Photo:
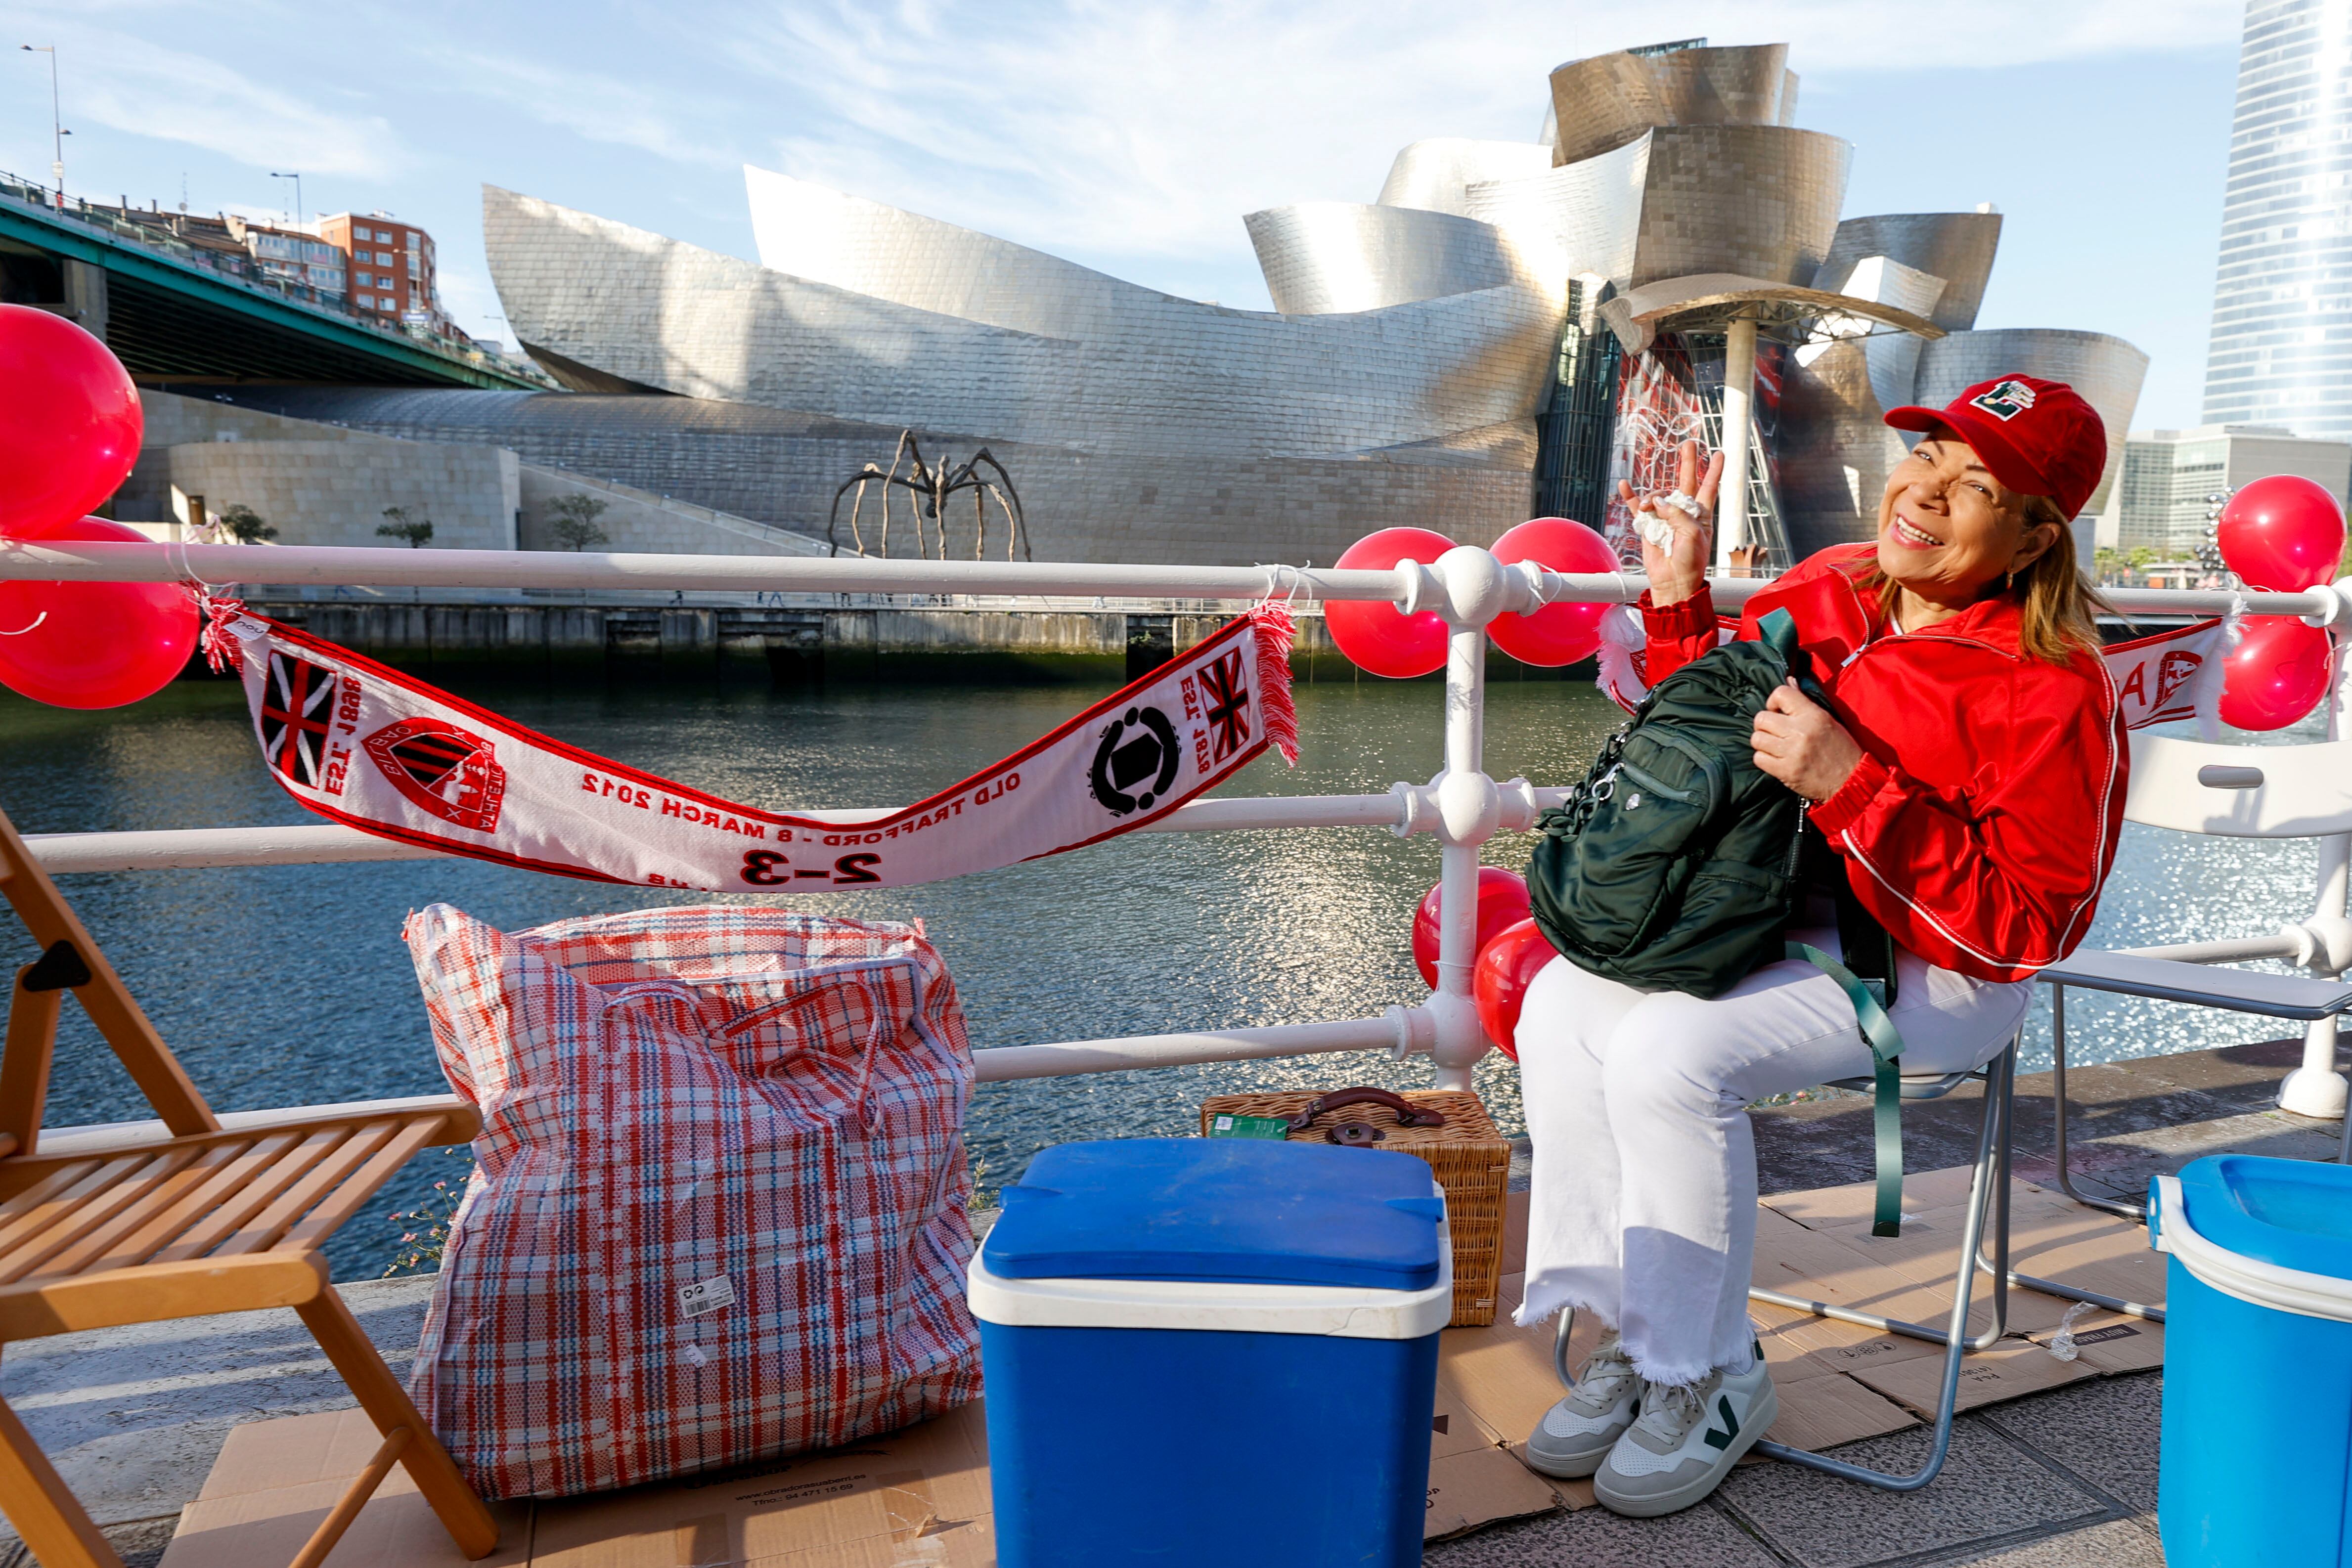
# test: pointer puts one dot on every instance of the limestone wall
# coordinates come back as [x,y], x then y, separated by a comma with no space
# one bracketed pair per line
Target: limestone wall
[335,490]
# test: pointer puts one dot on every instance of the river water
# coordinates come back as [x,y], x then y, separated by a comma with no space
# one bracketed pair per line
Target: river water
[290,985]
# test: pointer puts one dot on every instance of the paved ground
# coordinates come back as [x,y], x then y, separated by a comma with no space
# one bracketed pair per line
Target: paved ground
[133,1417]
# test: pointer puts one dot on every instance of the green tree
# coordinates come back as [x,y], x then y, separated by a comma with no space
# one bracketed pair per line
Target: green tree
[415,531]
[572,519]
[243,524]
[2142,558]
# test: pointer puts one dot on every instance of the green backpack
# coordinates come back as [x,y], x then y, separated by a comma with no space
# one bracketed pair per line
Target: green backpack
[1675,864]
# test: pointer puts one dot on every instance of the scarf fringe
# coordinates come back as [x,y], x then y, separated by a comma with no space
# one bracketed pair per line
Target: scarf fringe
[1275,631]
[222,650]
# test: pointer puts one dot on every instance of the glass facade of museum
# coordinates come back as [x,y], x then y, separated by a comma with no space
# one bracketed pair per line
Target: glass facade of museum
[2282,344]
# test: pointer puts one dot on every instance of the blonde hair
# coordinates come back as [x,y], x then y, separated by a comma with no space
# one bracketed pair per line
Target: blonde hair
[2057,607]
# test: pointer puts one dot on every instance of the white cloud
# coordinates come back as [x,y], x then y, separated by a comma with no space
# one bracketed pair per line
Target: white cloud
[117,78]
[1113,128]
[593,106]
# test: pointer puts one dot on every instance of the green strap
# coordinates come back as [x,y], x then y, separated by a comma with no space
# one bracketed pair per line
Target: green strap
[1886,1108]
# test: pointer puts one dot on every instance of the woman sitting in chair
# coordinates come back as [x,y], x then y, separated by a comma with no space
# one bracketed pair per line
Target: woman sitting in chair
[1966,778]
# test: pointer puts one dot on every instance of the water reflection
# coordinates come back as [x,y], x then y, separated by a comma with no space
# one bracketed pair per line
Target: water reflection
[290,985]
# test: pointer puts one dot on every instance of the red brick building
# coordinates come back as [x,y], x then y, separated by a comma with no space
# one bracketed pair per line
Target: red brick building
[390,269]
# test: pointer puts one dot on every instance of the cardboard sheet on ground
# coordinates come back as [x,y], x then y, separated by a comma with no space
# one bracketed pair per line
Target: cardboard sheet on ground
[921,1498]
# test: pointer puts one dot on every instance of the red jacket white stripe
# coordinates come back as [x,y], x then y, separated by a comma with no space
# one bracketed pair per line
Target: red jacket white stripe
[1982,820]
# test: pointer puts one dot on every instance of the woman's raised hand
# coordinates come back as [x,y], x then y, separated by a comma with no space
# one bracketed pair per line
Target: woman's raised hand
[1676,570]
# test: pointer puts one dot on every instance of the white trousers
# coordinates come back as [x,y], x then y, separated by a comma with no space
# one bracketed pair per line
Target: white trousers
[1644,1206]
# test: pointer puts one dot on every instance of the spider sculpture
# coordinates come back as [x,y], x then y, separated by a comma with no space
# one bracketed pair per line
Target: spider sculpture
[928,487]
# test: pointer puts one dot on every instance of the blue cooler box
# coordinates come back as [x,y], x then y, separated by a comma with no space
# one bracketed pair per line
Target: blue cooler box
[1210,1351]
[2257,1361]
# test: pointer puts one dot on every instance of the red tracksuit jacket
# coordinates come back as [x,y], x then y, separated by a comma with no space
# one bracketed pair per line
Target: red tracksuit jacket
[1982,819]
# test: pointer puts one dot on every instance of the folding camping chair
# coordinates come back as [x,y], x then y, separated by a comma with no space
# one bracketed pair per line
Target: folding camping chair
[194,1221]
[1987,1204]
[2244,792]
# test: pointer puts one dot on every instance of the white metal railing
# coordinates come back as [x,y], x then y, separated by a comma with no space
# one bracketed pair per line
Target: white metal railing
[1462,807]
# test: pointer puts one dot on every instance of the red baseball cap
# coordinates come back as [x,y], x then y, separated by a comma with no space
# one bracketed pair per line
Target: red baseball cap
[2038,438]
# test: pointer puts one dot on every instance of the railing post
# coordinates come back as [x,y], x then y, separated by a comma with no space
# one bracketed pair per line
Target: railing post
[1468,805]
[2315,1088]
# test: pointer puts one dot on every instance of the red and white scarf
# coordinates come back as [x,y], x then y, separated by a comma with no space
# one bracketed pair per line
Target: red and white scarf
[381,751]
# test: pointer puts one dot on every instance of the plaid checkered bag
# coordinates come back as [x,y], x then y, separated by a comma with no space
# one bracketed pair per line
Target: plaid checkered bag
[718,1208]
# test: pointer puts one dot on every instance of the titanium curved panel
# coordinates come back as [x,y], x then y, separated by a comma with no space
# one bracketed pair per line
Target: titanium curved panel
[1606,101]
[1577,218]
[1835,448]
[1958,247]
[814,232]
[1437,174]
[1757,200]
[1321,257]
[2105,370]
[1162,375]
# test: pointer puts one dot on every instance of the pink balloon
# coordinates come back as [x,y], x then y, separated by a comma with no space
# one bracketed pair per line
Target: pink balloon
[70,420]
[1558,634]
[2282,533]
[1374,634]
[1502,902]
[93,645]
[2276,674]
[1507,966]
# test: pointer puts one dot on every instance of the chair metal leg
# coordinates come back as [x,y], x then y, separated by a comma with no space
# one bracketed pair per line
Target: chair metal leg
[1981,1198]
[2136,1213]
[2000,1077]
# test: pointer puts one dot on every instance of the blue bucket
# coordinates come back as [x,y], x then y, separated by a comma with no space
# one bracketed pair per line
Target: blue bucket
[2257,1457]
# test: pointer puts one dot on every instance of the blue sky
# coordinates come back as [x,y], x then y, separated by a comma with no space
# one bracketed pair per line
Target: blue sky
[1128,134]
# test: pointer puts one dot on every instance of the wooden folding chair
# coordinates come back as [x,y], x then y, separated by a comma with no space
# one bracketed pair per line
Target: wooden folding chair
[197,1221]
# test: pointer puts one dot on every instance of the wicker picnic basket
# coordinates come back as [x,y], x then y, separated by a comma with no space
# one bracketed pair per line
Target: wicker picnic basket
[1469,1157]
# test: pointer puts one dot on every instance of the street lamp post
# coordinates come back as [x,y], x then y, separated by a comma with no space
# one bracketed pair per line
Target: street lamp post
[57,132]
[297,178]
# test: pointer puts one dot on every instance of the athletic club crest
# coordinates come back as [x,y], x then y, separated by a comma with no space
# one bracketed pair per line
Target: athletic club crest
[2004,400]
[298,705]
[451,772]
[1135,762]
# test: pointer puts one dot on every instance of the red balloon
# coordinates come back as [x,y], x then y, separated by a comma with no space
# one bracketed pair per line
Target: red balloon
[93,645]
[1502,901]
[2276,674]
[1373,633]
[2282,533]
[70,420]
[1507,966]
[1558,634]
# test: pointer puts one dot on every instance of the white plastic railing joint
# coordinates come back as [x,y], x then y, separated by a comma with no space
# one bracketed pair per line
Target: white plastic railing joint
[2335,604]
[1415,1030]
[1418,808]
[1468,808]
[1477,586]
[1516,806]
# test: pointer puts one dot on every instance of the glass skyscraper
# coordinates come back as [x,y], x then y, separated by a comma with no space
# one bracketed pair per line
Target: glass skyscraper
[2282,345]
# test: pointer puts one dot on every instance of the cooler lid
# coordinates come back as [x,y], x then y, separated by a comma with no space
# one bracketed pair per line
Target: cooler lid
[1229,1210]
[2294,1214]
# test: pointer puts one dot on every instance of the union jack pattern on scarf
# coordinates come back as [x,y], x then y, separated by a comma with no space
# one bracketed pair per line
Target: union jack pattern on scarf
[297,704]
[719,1208]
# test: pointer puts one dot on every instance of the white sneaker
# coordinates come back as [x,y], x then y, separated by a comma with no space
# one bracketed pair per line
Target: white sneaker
[1686,1441]
[1577,1434]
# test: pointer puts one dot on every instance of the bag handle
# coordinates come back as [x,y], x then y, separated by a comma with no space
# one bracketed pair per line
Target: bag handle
[1407,1114]
[1778,631]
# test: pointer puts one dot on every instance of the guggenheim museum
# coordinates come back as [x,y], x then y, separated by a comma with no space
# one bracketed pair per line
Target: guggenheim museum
[1505,333]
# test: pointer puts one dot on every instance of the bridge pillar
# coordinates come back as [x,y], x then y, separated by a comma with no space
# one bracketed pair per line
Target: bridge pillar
[86,296]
